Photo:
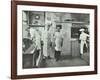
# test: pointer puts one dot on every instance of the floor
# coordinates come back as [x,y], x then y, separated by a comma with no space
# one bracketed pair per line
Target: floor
[65,61]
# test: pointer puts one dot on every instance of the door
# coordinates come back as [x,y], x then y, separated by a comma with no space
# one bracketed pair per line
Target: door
[66,30]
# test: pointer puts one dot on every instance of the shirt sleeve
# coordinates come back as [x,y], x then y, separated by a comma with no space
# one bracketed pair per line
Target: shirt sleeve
[87,35]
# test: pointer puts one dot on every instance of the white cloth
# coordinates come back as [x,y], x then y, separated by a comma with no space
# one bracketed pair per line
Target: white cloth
[46,41]
[58,41]
[38,40]
[83,38]
[35,35]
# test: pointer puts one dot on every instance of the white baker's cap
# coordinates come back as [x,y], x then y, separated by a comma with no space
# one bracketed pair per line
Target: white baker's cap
[81,30]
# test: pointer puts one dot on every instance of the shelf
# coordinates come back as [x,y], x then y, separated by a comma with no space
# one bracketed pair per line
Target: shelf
[31,25]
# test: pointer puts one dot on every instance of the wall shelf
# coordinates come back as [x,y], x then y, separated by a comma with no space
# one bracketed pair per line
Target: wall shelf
[32,25]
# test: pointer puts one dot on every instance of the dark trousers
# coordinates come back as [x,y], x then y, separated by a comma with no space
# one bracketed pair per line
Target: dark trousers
[36,55]
[57,55]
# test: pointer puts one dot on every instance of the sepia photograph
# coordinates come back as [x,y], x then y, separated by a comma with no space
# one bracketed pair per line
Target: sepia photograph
[55,39]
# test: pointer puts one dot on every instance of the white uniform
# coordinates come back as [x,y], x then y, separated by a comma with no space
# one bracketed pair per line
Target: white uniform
[58,41]
[83,38]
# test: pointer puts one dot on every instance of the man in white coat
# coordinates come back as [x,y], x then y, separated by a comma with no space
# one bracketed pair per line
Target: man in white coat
[83,37]
[58,44]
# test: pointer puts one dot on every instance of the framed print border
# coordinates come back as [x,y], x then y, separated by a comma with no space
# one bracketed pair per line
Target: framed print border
[14,51]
